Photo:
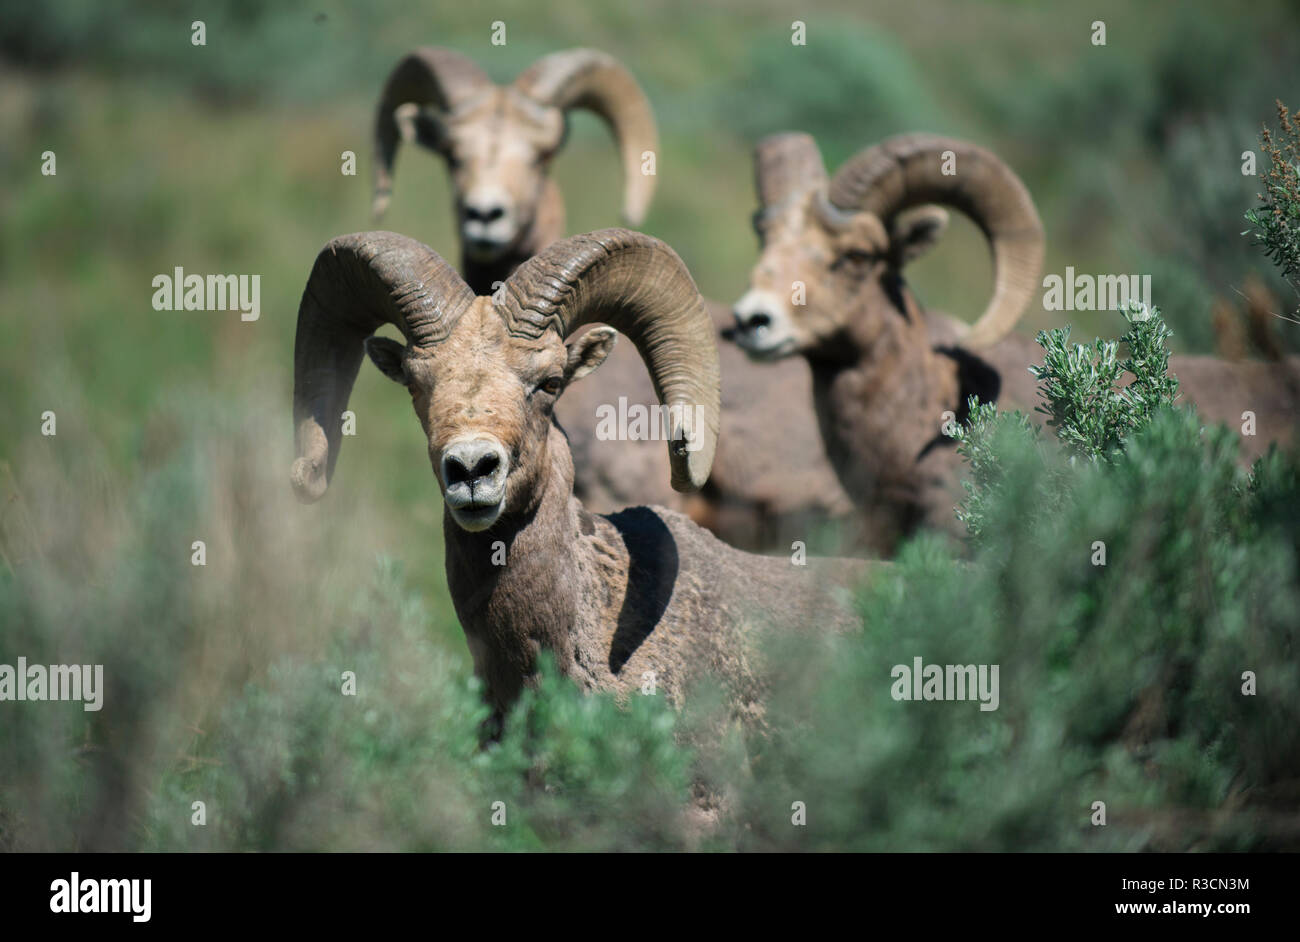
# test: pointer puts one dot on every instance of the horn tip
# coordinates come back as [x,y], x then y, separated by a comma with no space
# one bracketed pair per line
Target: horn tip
[690,468]
[977,339]
[309,480]
[683,484]
[690,478]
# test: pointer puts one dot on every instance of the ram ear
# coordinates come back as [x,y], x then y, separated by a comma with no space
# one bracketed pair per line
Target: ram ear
[419,126]
[387,354]
[917,232]
[588,352]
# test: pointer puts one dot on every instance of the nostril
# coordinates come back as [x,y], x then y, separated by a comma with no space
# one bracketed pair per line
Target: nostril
[473,465]
[758,320]
[490,214]
[485,465]
[455,471]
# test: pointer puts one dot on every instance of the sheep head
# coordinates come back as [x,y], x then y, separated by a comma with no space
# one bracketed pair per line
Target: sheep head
[484,373]
[845,241]
[498,141]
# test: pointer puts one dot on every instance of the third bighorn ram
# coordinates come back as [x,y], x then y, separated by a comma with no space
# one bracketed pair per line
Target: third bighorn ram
[887,375]
[614,598]
[498,142]
[884,372]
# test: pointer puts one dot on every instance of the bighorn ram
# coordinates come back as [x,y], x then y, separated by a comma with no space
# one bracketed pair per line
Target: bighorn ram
[498,142]
[887,376]
[614,597]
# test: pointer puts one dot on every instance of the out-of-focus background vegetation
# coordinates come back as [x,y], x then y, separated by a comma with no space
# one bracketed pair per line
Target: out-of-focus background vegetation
[175,427]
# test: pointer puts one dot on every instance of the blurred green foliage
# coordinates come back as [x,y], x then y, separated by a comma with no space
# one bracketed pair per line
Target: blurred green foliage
[858,85]
[1147,139]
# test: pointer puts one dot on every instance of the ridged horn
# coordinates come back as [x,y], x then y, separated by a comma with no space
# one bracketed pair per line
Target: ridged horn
[588,78]
[430,75]
[358,283]
[907,170]
[637,285]
[785,164]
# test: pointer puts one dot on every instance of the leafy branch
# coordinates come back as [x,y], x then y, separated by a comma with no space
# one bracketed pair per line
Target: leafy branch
[1275,222]
[1092,413]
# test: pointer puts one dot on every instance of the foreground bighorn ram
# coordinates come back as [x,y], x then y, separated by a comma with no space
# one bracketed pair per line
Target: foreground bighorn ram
[886,375]
[498,142]
[614,597]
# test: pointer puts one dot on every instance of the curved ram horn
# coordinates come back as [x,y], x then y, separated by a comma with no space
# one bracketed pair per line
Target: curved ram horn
[587,78]
[785,164]
[428,76]
[906,171]
[830,215]
[637,285]
[358,283]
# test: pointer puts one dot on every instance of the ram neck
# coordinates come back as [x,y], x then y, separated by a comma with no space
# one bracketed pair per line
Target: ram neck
[547,226]
[881,410]
[517,587]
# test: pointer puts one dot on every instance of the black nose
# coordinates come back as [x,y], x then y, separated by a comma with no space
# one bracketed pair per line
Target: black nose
[468,467]
[753,320]
[484,213]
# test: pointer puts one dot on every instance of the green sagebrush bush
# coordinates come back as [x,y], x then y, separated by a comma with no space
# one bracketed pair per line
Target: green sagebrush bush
[1091,411]
[400,765]
[1275,222]
[1125,581]
[1120,683]
[286,761]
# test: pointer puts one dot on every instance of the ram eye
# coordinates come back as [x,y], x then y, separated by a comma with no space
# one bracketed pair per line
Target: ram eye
[853,257]
[551,386]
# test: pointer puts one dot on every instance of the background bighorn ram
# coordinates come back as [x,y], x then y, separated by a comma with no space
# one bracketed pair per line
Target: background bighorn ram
[612,596]
[498,142]
[884,372]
